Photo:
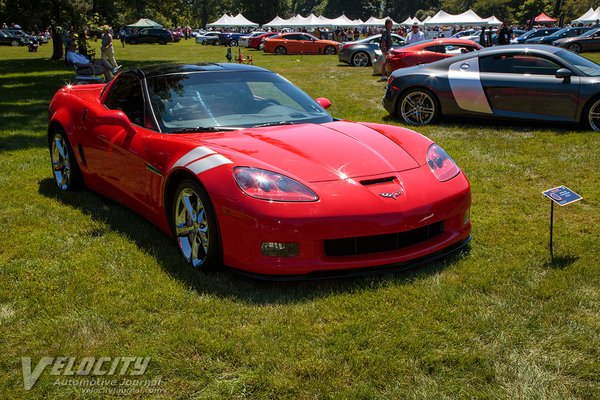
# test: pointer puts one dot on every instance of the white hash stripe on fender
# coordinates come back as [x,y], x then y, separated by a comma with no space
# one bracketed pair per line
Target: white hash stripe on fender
[193,155]
[207,163]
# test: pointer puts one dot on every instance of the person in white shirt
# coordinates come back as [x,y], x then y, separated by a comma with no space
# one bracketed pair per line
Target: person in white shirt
[415,35]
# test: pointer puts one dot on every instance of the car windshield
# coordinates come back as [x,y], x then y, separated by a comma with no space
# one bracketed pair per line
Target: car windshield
[591,32]
[558,33]
[229,100]
[586,66]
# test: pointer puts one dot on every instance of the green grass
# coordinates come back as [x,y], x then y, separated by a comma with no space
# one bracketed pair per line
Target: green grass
[82,276]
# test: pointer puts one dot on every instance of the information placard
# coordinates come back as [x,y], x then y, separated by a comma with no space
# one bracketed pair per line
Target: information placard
[562,195]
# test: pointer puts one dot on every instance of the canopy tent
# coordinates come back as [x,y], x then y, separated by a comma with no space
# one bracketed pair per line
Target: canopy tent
[544,19]
[590,16]
[276,22]
[411,21]
[145,23]
[469,17]
[238,21]
[343,21]
[372,21]
[493,20]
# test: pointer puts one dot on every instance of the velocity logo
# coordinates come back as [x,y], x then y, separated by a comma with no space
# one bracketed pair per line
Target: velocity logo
[86,366]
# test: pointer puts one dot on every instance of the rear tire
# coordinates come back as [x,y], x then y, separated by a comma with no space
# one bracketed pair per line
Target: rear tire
[15,43]
[233,43]
[65,169]
[360,59]
[575,48]
[418,107]
[280,50]
[330,51]
[194,226]
[162,41]
[591,116]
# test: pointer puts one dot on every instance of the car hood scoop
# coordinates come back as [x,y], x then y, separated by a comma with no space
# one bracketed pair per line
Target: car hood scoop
[318,152]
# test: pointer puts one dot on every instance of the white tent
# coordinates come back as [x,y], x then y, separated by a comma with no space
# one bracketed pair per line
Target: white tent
[467,18]
[411,21]
[372,21]
[229,21]
[493,20]
[276,22]
[589,17]
[426,20]
[342,20]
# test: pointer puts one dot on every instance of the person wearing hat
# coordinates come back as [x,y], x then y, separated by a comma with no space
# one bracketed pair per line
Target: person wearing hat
[415,35]
[108,52]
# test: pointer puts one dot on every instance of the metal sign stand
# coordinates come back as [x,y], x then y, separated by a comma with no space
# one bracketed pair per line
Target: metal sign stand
[561,195]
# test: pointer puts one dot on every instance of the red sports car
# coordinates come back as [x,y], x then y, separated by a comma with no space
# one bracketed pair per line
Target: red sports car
[242,168]
[428,51]
[254,42]
[299,43]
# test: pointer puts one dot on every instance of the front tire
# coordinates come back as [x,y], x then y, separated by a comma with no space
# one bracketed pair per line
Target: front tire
[418,107]
[233,43]
[281,51]
[15,43]
[162,41]
[330,51]
[195,227]
[361,59]
[67,175]
[575,48]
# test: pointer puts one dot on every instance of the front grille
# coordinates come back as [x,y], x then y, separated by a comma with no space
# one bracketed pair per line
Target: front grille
[379,243]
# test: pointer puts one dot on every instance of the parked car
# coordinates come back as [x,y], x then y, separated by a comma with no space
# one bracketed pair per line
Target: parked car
[258,41]
[560,34]
[208,38]
[466,32]
[15,37]
[10,40]
[235,163]
[589,41]
[360,53]
[299,43]
[150,35]
[176,35]
[245,40]
[230,38]
[519,82]
[427,51]
[538,32]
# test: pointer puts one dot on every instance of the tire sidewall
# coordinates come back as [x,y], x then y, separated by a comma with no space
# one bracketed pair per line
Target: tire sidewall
[436,104]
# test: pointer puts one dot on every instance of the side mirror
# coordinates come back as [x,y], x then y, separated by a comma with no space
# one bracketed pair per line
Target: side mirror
[323,102]
[565,74]
[116,118]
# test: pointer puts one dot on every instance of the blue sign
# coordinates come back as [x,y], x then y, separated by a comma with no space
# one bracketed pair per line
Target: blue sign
[562,195]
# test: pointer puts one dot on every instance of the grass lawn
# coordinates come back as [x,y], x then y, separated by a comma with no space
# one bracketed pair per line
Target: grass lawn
[82,276]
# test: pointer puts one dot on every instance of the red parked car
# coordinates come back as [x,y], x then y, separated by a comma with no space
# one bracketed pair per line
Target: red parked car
[428,51]
[235,163]
[254,42]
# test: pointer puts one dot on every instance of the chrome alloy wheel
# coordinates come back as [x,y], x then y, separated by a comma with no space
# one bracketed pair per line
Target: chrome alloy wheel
[594,116]
[417,108]
[360,59]
[61,162]
[191,227]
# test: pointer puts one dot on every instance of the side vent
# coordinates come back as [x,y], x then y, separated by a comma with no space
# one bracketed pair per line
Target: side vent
[81,154]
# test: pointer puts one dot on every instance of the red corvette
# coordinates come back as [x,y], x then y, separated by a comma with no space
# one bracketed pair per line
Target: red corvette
[242,168]
[254,42]
[428,52]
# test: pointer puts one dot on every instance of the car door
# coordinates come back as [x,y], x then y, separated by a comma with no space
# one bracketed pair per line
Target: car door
[292,43]
[590,43]
[310,45]
[524,85]
[117,155]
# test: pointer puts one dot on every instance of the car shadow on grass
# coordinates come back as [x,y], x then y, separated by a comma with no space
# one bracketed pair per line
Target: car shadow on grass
[225,282]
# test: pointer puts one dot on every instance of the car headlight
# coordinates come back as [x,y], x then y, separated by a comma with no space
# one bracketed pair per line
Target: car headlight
[271,186]
[442,166]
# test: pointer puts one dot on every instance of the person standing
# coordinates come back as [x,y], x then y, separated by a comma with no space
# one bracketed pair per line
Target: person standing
[386,45]
[483,37]
[108,52]
[122,36]
[415,35]
[503,34]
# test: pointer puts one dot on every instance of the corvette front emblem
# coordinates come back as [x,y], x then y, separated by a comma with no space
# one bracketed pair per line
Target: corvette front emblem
[392,195]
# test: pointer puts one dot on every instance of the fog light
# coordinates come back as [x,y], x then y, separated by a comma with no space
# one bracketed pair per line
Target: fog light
[278,249]
[467,216]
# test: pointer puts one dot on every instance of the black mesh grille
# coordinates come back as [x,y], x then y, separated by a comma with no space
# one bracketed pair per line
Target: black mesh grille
[379,243]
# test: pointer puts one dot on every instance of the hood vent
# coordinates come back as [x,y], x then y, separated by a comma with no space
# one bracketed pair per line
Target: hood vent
[369,182]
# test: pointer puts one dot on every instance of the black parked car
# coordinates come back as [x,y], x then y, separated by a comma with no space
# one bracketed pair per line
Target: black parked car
[150,35]
[589,41]
[14,37]
[561,34]
[533,34]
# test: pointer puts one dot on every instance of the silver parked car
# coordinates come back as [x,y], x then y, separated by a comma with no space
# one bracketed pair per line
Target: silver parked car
[360,53]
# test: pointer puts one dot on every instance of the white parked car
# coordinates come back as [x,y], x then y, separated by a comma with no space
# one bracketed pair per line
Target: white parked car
[245,40]
[208,38]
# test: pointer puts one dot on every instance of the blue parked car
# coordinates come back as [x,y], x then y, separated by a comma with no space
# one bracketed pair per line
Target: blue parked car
[533,34]
[230,38]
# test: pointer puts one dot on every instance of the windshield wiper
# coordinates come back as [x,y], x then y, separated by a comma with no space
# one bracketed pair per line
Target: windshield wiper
[274,124]
[204,129]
